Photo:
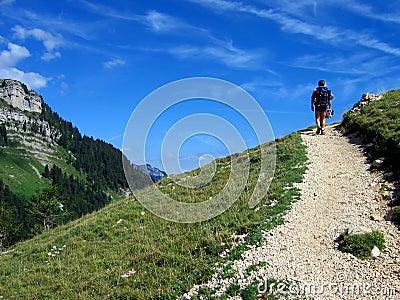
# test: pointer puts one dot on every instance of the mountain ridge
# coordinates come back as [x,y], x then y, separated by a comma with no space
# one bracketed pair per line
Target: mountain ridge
[38,148]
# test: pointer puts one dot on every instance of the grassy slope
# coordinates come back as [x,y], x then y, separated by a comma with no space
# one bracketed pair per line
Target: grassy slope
[168,258]
[19,164]
[17,172]
[379,124]
[19,167]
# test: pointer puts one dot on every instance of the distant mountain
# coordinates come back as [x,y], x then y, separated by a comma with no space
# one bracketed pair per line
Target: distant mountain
[154,173]
[44,156]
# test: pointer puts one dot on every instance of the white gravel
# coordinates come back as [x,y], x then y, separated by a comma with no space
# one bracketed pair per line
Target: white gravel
[338,192]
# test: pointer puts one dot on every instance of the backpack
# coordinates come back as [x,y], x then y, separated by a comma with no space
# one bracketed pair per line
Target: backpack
[322,96]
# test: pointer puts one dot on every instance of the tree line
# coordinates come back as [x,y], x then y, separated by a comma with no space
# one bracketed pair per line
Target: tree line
[68,197]
[65,199]
[99,160]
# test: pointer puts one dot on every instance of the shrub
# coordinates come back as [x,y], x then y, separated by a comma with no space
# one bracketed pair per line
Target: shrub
[250,292]
[360,245]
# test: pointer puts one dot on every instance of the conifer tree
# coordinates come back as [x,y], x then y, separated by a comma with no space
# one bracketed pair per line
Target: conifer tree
[46,205]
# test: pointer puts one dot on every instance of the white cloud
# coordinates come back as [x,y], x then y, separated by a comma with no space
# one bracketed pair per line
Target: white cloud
[47,56]
[115,62]
[13,55]
[50,42]
[10,58]
[32,80]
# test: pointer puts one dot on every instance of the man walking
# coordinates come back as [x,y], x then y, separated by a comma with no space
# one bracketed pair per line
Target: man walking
[321,99]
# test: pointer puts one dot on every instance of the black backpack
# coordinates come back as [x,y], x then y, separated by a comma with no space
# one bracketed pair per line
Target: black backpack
[322,96]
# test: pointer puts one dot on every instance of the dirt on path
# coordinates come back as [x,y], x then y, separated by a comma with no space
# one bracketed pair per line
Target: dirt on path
[338,192]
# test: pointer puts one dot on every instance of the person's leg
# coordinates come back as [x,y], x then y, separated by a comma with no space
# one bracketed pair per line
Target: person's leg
[318,120]
[323,121]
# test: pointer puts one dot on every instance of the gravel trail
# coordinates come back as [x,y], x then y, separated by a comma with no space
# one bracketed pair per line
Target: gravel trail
[338,192]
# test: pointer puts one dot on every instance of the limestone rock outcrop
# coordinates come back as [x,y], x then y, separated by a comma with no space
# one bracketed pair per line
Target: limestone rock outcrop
[17,94]
[366,98]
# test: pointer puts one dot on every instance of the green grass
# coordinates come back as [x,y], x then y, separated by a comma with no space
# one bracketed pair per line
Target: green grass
[379,125]
[19,166]
[168,258]
[361,245]
[16,170]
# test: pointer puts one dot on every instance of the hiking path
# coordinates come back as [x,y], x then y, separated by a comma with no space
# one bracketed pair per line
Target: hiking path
[338,192]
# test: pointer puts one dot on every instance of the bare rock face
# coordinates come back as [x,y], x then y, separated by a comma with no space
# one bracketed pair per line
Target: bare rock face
[366,99]
[17,94]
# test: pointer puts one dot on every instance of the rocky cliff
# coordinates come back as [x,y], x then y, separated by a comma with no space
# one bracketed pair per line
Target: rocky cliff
[17,95]
[20,113]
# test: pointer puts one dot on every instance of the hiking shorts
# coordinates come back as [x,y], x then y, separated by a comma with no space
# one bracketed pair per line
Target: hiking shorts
[320,108]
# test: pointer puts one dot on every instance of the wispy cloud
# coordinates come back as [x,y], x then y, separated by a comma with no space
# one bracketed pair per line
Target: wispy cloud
[50,42]
[367,11]
[115,137]
[328,34]
[6,2]
[211,48]
[229,56]
[153,20]
[159,22]
[115,62]
[302,9]
[355,64]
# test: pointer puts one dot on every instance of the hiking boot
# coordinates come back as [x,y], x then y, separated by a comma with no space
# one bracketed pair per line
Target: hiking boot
[318,130]
[322,131]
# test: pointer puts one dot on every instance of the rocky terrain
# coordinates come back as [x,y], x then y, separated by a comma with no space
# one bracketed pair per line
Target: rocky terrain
[18,95]
[20,113]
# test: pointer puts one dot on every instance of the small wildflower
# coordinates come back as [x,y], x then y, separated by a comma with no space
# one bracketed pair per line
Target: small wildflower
[128,274]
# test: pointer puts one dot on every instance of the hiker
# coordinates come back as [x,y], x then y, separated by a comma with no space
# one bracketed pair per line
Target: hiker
[321,99]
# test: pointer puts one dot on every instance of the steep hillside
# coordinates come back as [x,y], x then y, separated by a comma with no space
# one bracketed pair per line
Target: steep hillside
[124,251]
[39,149]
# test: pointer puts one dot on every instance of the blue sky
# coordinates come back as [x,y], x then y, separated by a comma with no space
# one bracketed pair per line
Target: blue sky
[94,61]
